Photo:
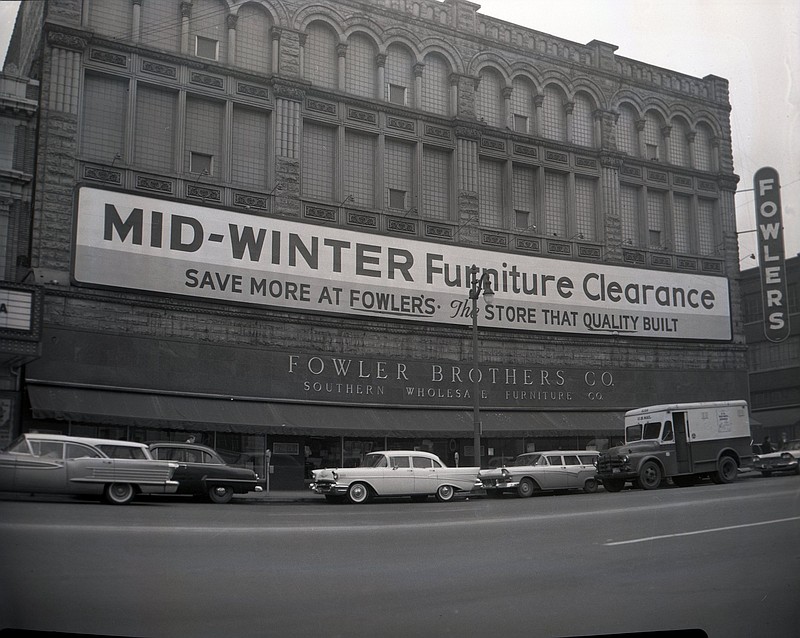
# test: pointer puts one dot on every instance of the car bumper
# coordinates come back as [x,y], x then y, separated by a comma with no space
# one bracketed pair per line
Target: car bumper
[787,466]
[335,489]
[499,485]
[617,475]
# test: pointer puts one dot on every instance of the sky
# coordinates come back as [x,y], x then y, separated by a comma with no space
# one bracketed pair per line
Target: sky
[754,44]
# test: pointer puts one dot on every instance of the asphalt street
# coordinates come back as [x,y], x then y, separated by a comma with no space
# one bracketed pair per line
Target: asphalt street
[721,558]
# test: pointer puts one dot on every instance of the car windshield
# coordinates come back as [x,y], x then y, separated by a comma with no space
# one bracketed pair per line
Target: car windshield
[646,432]
[526,459]
[374,460]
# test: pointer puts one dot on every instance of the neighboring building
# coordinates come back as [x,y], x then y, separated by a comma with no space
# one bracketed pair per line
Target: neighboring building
[254,223]
[20,304]
[774,366]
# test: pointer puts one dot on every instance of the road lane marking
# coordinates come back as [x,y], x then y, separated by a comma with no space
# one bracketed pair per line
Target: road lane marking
[701,531]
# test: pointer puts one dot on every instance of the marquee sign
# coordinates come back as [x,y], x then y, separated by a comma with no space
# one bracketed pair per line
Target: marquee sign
[769,227]
[129,241]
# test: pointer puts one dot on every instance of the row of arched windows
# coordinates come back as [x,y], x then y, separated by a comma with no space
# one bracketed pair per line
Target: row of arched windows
[399,73]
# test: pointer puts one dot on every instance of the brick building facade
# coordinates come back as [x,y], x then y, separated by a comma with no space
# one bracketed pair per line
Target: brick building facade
[254,222]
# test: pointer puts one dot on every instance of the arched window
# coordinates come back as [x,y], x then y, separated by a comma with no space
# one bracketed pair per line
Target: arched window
[360,69]
[583,121]
[161,25]
[208,33]
[522,105]
[399,75]
[626,132]
[321,61]
[253,40]
[489,98]
[703,151]
[112,18]
[554,119]
[436,85]
[653,140]
[679,142]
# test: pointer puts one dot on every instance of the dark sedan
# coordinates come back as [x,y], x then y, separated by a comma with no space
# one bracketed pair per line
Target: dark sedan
[202,472]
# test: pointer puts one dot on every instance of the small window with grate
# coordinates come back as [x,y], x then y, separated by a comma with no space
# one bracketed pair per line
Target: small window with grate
[207,48]
[397,199]
[397,94]
[200,163]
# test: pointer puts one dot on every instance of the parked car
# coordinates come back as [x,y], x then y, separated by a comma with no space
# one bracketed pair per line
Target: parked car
[394,473]
[786,459]
[57,464]
[543,472]
[202,472]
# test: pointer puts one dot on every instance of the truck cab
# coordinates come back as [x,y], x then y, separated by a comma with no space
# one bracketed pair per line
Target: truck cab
[684,442]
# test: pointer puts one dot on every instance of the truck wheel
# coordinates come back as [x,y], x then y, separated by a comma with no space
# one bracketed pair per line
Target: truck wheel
[726,471]
[613,485]
[650,475]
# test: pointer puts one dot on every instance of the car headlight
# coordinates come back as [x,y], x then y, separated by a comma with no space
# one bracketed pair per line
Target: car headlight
[624,458]
[787,457]
[505,473]
[335,475]
[756,458]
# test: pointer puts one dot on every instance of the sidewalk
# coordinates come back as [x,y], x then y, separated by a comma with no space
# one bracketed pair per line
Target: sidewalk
[281,496]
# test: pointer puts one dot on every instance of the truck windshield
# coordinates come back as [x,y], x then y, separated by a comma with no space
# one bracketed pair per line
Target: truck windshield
[642,432]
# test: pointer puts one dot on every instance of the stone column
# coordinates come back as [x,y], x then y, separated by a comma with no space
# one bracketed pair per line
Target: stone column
[275,35]
[288,107]
[569,110]
[136,31]
[467,139]
[419,68]
[341,55]
[186,14]
[690,139]
[380,62]
[453,106]
[231,21]
[507,114]
[611,228]
[666,131]
[640,145]
[538,103]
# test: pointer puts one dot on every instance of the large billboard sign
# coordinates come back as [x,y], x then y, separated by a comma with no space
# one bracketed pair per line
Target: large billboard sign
[129,241]
[772,254]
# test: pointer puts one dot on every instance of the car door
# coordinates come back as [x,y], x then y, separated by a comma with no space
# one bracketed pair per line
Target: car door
[572,469]
[399,476]
[547,471]
[83,462]
[426,478]
[44,470]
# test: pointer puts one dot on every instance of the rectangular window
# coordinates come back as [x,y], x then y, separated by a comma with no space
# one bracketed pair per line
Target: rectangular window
[318,161]
[652,152]
[155,128]
[629,215]
[555,204]
[681,223]
[397,94]
[655,219]
[399,174]
[359,168]
[397,199]
[105,105]
[520,123]
[249,160]
[203,135]
[490,193]
[705,227]
[436,182]
[523,194]
[522,220]
[207,48]
[200,164]
[586,208]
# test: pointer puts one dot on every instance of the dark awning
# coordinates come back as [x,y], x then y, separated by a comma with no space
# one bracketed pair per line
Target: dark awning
[781,417]
[172,411]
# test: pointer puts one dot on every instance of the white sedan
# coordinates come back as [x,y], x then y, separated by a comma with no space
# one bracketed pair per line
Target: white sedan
[395,473]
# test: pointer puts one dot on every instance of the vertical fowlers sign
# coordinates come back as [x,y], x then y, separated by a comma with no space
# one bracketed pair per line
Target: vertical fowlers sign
[769,225]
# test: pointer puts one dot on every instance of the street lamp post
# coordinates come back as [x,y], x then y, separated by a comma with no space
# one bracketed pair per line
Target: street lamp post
[479,285]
